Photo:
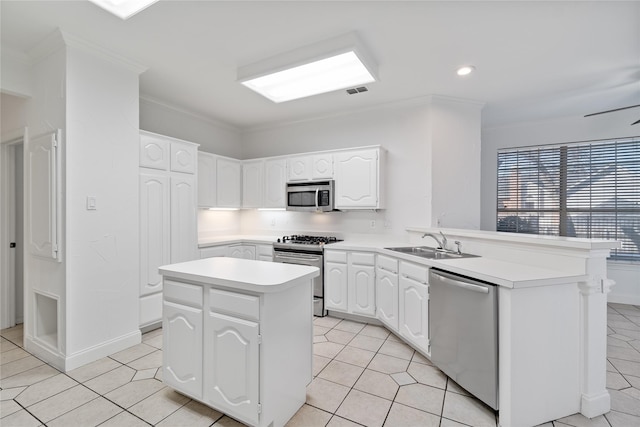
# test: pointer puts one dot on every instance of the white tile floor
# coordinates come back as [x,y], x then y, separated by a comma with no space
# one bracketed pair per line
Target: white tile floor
[363,375]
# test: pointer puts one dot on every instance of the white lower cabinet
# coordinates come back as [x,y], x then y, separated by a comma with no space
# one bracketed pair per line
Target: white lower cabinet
[248,355]
[214,251]
[183,359]
[413,304]
[361,283]
[242,251]
[349,282]
[387,291]
[335,280]
[232,366]
[264,252]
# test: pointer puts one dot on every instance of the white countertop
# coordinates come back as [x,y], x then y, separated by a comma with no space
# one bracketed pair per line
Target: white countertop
[241,274]
[502,273]
[235,238]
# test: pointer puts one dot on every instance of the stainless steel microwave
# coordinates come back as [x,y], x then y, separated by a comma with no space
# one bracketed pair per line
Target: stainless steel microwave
[310,196]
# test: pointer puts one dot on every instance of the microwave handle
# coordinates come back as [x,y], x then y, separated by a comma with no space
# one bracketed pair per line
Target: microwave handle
[317,194]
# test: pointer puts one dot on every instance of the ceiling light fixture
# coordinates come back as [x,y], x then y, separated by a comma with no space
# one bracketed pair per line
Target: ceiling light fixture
[465,70]
[123,9]
[328,66]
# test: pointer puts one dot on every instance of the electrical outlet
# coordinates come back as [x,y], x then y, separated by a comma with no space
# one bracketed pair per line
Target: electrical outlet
[373,223]
[387,223]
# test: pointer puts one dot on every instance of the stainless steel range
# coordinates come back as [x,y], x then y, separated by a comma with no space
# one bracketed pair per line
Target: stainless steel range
[306,250]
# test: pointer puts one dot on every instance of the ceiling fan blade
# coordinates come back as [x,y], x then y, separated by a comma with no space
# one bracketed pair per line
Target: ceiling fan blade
[611,111]
[635,123]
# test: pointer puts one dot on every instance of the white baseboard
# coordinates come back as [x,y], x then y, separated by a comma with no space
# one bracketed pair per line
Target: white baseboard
[101,350]
[85,356]
[592,406]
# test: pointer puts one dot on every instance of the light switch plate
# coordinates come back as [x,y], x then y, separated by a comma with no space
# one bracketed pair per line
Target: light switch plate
[91,203]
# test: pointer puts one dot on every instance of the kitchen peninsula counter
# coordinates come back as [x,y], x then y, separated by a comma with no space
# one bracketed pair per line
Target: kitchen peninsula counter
[238,336]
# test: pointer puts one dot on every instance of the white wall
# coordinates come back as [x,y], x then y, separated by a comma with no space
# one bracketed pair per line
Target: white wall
[411,137]
[102,162]
[568,129]
[213,136]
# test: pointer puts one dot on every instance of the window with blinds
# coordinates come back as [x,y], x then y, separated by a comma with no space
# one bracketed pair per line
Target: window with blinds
[578,190]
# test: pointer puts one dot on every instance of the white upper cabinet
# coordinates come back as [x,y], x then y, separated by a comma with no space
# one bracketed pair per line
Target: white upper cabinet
[359,179]
[311,167]
[299,168]
[252,183]
[168,154]
[183,157]
[275,180]
[154,151]
[206,180]
[228,176]
[322,166]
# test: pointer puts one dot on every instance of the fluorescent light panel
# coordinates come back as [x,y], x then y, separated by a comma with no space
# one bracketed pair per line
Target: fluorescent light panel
[334,64]
[123,9]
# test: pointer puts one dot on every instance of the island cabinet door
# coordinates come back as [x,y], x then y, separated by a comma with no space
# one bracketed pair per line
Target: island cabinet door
[182,327]
[414,311]
[232,366]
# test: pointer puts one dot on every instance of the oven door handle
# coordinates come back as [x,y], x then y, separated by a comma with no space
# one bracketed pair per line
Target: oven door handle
[297,257]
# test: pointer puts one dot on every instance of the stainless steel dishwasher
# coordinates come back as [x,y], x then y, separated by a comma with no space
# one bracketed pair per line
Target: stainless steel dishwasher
[463,325]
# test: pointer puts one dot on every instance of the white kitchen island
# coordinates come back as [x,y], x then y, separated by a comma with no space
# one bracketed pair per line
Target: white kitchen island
[238,336]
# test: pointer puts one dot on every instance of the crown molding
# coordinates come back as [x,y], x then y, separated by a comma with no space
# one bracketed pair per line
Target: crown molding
[419,101]
[60,39]
[216,122]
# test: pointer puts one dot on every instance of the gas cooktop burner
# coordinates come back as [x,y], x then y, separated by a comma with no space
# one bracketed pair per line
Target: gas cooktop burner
[308,240]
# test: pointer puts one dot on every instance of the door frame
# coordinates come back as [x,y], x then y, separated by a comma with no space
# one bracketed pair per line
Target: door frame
[8,225]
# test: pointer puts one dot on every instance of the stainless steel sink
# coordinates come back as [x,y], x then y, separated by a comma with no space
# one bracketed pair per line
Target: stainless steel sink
[430,253]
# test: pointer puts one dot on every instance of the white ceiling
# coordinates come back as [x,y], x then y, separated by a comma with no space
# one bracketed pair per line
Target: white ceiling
[535,60]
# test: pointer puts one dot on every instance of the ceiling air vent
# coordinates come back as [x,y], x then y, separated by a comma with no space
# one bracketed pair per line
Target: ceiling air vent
[355,90]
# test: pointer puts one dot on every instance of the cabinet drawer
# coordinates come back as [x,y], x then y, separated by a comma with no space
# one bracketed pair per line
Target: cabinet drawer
[266,250]
[183,293]
[415,271]
[214,251]
[387,263]
[335,256]
[246,306]
[363,258]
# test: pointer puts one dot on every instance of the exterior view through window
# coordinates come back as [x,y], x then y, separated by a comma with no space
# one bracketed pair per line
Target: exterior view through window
[589,190]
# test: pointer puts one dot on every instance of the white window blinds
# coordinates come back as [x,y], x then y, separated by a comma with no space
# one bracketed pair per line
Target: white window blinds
[579,190]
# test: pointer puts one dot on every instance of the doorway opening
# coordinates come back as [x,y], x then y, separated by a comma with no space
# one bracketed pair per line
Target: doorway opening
[12,232]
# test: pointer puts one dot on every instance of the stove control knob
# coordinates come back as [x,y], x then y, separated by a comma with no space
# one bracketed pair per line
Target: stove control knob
[278,240]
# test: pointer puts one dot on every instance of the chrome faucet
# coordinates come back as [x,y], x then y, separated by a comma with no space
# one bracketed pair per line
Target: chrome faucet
[441,244]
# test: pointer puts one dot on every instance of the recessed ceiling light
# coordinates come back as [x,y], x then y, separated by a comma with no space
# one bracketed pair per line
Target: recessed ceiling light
[466,70]
[123,9]
[328,66]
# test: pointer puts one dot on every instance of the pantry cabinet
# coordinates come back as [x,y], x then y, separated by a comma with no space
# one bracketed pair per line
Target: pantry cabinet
[168,218]
[359,178]
[413,299]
